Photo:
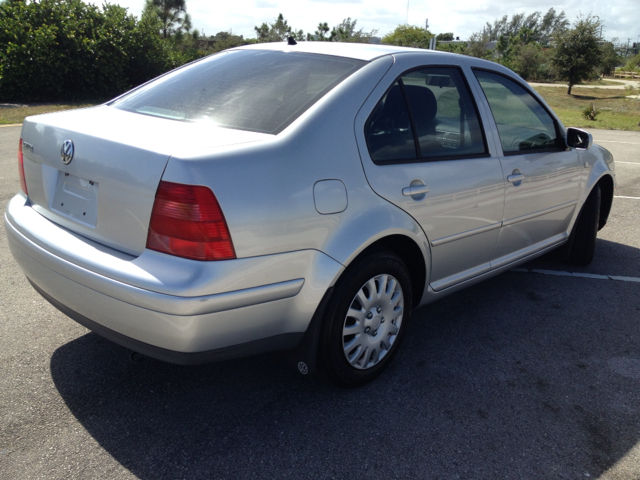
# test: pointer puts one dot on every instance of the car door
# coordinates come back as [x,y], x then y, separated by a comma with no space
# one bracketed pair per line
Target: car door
[542,176]
[423,148]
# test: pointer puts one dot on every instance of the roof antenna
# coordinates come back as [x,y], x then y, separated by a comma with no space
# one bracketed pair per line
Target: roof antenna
[291,41]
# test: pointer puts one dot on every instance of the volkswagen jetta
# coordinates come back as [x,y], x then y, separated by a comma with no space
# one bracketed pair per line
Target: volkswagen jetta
[298,197]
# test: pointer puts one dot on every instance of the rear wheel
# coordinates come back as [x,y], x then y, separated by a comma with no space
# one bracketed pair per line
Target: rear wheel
[366,319]
[581,245]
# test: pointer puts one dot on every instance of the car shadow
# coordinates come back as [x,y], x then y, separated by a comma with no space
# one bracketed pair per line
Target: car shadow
[517,377]
[590,97]
[610,258]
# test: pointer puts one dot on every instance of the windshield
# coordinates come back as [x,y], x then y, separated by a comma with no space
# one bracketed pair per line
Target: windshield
[257,90]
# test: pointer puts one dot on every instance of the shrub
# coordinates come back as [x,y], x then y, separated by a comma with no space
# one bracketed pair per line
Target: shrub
[408,36]
[590,112]
[68,50]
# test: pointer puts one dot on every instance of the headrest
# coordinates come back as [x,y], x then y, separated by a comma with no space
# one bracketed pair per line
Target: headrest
[423,102]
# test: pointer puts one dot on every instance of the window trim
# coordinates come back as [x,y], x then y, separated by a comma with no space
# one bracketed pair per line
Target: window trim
[559,140]
[440,158]
[412,122]
[420,159]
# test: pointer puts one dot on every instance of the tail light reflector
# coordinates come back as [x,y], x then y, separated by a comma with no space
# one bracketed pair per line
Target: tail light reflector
[23,182]
[187,221]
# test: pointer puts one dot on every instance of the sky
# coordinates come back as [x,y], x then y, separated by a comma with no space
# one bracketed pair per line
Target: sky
[621,17]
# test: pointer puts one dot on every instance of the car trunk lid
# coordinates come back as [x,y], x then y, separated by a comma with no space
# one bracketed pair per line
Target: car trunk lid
[106,189]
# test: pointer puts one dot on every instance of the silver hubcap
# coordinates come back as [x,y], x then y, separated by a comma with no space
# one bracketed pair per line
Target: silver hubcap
[373,321]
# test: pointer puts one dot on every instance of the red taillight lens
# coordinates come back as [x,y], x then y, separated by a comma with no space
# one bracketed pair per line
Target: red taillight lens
[187,221]
[23,182]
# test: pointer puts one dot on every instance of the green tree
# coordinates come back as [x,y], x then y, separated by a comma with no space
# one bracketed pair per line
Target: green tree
[173,16]
[509,28]
[478,46]
[508,48]
[541,28]
[186,47]
[577,53]
[459,48]
[521,53]
[321,33]
[632,63]
[552,24]
[346,31]
[445,37]
[408,36]
[527,61]
[277,31]
[224,40]
[610,58]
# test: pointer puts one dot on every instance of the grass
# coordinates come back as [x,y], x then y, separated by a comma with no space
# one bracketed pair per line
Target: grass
[616,111]
[603,83]
[16,114]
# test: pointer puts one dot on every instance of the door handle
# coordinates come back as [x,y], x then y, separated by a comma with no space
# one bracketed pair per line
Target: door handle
[415,190]
[515,178]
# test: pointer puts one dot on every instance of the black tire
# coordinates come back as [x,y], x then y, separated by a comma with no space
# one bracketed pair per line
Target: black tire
[581,245]
[376,339]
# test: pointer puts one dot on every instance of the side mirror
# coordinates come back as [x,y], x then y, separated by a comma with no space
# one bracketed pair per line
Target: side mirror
[580,139]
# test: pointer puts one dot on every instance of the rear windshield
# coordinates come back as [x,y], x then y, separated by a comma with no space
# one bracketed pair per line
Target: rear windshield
[261,91]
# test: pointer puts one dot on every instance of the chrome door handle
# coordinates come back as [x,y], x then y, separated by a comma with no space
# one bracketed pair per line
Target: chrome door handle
[516,177]
[415,190]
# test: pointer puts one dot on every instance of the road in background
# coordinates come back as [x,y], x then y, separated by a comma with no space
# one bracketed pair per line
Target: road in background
[621,84]
[526,375]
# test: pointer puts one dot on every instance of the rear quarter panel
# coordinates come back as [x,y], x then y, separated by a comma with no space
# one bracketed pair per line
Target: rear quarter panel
[266,190]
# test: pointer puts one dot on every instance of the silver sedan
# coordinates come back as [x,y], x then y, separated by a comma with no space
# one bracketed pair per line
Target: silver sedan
[298,197]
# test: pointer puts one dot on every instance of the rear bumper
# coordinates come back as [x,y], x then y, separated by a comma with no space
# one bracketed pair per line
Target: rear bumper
[173,309]
[285,341]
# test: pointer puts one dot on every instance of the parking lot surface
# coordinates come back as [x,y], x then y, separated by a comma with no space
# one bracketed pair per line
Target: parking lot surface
[532,374]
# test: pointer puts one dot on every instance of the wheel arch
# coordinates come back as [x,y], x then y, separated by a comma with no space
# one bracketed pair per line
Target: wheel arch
[307,353]
[409,252]
[606,199]
[602,173]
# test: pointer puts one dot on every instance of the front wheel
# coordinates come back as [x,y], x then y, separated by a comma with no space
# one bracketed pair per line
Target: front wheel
[366,319]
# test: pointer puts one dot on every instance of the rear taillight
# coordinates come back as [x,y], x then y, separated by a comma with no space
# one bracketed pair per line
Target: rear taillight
[23,182]
[187,221]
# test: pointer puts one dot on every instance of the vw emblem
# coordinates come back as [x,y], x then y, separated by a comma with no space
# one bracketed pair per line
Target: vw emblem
[66,152]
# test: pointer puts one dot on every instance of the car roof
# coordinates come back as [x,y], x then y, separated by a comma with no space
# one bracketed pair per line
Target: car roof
[360,51]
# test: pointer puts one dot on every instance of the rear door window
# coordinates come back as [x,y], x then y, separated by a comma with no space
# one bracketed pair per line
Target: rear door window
[427,114]
[389,129]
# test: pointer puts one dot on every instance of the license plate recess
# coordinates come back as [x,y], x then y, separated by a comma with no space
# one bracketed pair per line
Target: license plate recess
[77,198]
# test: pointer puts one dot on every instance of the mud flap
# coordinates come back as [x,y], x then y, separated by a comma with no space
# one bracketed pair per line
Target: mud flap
[304,357]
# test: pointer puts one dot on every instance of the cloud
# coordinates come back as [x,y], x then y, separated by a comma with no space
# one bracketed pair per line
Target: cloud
[336,1]
[265,4]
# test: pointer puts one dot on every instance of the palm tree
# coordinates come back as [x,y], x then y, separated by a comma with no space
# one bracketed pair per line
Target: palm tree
[173,15]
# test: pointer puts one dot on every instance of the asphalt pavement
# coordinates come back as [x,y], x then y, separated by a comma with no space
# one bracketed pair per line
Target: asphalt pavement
[534,374]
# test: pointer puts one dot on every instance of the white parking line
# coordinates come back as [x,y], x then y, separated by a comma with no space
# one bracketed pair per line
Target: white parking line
[620,196]
[577,274]
[630,163]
